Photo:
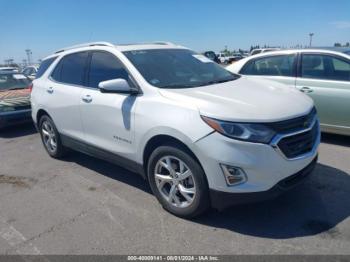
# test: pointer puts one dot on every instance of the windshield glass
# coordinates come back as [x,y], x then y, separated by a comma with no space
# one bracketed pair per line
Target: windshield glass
[13,81]
[177,68]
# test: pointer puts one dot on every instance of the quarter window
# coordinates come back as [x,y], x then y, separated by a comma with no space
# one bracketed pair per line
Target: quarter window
[325,67]
[105,66]
[279,65]
[44,66]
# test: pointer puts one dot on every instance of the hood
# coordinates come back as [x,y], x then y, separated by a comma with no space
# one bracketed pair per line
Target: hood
[246,100]
[15,98]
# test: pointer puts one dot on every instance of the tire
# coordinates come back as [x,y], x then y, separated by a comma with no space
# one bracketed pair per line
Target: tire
[181,202]
[49,131]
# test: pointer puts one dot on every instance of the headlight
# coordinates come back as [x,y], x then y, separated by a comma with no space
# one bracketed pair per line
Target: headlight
[258,133]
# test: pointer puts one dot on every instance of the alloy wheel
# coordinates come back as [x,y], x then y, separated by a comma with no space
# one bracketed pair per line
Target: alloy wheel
[175,181]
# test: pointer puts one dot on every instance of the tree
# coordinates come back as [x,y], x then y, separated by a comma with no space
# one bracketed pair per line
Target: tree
[337,44]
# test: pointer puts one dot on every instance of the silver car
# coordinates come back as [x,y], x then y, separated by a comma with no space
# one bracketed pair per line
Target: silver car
[322,74]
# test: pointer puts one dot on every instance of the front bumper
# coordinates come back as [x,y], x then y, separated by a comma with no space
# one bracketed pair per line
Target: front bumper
[15,117]
[221,200]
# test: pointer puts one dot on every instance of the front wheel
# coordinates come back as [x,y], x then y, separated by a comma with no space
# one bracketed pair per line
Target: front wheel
[178,182]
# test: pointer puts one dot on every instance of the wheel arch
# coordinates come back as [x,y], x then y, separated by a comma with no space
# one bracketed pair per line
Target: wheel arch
[39,114]
[165,139]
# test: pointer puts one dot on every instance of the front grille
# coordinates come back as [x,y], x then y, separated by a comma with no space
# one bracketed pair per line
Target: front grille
[295,124]
[299,144]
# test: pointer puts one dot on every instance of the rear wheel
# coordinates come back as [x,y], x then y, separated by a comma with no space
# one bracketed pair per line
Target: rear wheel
[178,181]
[50,137]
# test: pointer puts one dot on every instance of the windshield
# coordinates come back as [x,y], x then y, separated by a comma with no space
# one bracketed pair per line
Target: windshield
[13,81]
[177,68]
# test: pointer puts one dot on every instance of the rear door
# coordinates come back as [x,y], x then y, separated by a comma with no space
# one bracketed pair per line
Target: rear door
[108,118]
[326,79]
[280,68]
[63,92]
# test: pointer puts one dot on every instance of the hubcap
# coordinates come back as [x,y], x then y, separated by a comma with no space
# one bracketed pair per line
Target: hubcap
[175,181]
[49,136]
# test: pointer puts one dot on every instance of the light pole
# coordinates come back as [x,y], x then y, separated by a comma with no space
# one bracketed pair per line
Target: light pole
[311,35]
[29,53]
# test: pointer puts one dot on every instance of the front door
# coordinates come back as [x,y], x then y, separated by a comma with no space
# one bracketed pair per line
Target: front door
[108,118]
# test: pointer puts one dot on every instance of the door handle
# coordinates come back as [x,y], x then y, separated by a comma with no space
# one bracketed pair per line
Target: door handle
[306,89]
[50,90]
[87,98]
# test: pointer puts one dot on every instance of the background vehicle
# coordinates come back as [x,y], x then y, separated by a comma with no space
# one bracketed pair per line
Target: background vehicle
[30,71]
[9,69]
[262,50]
[228,59]
[322,74]
[212,56]
[185,123]
[235,57]
[14,99]
[223,58]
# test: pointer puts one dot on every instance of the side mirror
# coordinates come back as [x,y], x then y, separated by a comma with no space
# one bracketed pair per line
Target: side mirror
[116,86]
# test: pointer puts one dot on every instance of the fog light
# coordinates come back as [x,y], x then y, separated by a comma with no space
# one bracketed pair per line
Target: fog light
[233,175]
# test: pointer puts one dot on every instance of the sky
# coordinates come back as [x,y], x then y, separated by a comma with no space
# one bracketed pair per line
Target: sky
[48,25]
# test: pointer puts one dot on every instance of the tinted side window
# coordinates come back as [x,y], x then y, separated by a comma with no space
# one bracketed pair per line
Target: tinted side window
[44,66]
[280,65]
[71,69]
[105,66]
[325,67]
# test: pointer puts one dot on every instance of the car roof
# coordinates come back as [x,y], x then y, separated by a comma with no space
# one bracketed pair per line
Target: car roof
[119,47]
[304,50]
[160,45]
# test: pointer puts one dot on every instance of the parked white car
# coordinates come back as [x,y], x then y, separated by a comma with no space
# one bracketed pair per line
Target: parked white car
[224,59]
[200,135]
[322,74]
[9,69]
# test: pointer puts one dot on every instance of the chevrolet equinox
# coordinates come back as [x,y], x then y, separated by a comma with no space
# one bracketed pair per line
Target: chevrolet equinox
[200,135]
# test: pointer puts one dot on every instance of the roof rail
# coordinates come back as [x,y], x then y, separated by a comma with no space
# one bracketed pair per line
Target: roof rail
[163,43]
[148,43]
[85,45]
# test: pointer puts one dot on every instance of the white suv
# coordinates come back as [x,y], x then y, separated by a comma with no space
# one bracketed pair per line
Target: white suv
[200,135]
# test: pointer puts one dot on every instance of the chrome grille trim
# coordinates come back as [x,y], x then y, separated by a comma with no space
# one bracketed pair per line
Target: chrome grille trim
[279,137]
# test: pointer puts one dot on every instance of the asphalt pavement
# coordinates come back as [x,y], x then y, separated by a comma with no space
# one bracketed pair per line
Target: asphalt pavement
[82,205]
